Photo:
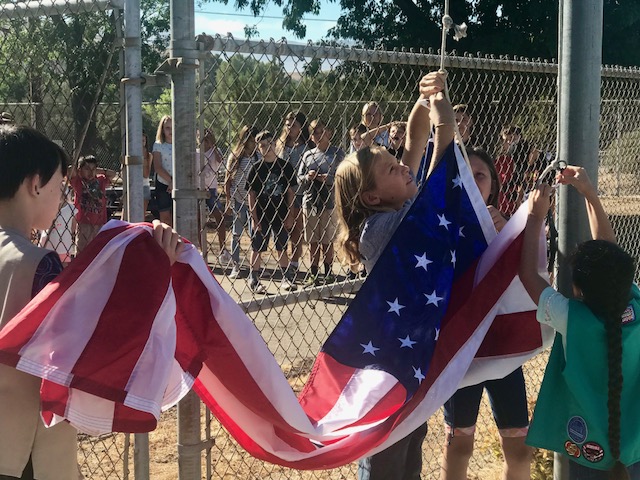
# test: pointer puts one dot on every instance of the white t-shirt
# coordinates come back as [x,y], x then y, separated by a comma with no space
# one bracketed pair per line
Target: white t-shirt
[211,167]
[167,158]
[60,237]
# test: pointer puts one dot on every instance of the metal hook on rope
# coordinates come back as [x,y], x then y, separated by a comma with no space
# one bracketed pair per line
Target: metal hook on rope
[554,165]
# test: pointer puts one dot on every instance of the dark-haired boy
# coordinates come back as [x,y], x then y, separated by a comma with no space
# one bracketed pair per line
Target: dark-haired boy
[89,185]
[271,196]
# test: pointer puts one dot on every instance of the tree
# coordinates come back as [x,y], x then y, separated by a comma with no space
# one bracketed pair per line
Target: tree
[502,27]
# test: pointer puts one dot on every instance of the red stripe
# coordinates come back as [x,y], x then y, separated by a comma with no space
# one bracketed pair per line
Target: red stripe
[111,354]
[325,385]
[511,334]
[462,325]
[53,400]
[23,326]
[126,419]
[210,342]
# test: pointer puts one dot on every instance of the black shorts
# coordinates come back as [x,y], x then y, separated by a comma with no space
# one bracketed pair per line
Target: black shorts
[163,197]
[260,240]
[508,397]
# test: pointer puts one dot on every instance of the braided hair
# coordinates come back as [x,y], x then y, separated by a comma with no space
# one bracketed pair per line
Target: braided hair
[604,273]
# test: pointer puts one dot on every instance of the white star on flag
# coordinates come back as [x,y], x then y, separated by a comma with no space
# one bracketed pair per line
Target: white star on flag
[443,221]
[369,348]
[407,342]
[432,299]
[460,232]
[453,258]
[395,306]
[418,374]
[423,261]
[457,182]
[437,334]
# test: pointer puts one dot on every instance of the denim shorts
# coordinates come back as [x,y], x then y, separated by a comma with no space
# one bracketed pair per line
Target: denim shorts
[213,202]
[163,197]
[508,398]
[260,239]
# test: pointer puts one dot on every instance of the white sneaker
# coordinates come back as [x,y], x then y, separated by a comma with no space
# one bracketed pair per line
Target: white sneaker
[286,284]
[256,286]
[235,271]
[225,257]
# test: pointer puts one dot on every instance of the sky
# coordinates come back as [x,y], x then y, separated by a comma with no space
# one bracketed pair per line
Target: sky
[214,17]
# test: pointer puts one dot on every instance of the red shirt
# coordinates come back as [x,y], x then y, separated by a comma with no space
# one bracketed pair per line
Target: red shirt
[91,199]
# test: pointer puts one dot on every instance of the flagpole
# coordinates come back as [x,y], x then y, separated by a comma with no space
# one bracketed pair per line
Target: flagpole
[580,60]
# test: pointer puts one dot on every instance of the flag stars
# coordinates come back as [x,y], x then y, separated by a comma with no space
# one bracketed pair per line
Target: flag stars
[369,348]
[457,182]
[461,233]
[437,334]
[453,258]
[443,221]
[422,261]
[417,373]
[432,299]
[406,342]
[395,306]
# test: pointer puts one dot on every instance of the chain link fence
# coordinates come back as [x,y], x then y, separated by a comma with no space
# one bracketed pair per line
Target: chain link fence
[62,75]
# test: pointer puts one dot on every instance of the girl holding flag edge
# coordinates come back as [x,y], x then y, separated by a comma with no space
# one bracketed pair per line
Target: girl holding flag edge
[580,409]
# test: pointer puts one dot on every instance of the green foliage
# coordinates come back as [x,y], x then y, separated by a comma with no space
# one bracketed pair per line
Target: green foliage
[526,28]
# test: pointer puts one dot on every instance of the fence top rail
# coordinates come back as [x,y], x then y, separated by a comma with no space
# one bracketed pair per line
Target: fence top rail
[39,8]
[280,48]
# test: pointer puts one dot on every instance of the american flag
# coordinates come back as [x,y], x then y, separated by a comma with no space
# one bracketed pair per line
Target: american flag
[120,336]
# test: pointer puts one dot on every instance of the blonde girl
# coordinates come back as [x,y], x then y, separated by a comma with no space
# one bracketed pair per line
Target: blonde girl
[373,193]
[163,165]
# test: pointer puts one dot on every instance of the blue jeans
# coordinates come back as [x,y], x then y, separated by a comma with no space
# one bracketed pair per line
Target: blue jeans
[240,222]
[401,461]
[580,472]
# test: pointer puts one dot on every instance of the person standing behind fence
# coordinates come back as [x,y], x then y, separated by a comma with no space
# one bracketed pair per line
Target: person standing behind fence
[60,236]
[587,408]
[397,134]
[316,173]
[271,182]
[241,159]
[372,119]
[512,165]
[293,142]
[209,171]
[147,161]
[508,395]
[374,192]
[89,185]
[465,124]
[163,166]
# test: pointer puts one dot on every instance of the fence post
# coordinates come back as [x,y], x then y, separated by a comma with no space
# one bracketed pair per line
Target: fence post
[580,59]
[184,61]
[132,190]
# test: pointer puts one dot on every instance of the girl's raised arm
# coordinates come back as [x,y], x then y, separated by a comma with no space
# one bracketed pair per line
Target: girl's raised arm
[539,202]
[418,125]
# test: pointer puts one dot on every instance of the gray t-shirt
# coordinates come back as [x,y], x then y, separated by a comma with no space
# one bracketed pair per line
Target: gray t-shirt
[377,231]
